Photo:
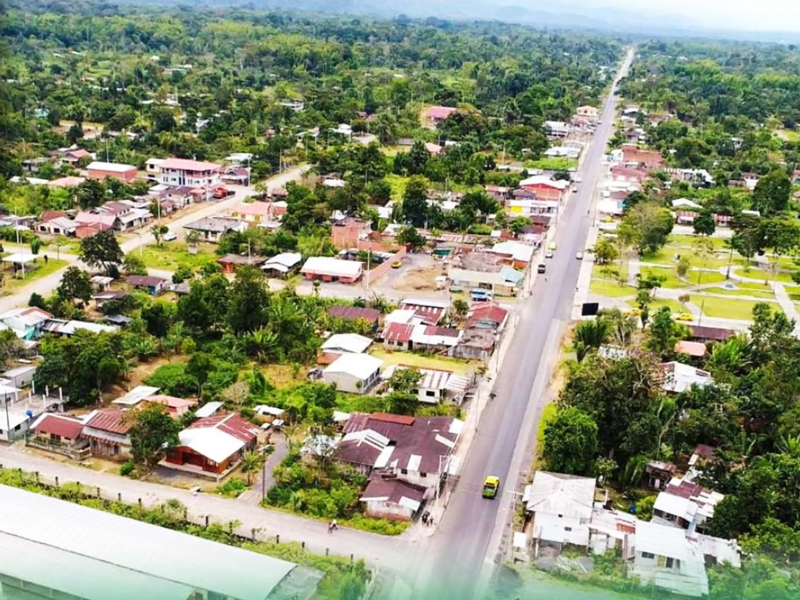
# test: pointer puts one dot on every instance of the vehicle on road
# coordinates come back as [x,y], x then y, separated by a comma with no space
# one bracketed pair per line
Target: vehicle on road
[170,236]
[222,192]
[481,295]
[541,268]
[685,317]
[397,264]
[579,256]
[552,246]
[548,254]
[491,485]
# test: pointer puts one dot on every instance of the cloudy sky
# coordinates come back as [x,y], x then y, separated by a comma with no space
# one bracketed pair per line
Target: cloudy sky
[764,15]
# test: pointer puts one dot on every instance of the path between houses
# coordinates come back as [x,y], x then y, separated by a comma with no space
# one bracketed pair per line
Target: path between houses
[379,551]
[264,480]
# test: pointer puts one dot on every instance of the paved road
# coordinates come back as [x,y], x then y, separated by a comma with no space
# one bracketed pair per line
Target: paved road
[468,535]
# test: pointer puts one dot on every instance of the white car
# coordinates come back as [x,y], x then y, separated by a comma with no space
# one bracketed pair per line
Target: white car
[548,254]
[170,237]
[579,256]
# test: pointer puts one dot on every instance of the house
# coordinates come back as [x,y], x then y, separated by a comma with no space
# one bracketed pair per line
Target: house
[350,233]
[60,327]
[101,170]
[342,343]
[58,226]
[107,296]
[476,344]
[154,285]
[685,204]
[58,433]
[433,149]
[282,264]
[213,445]
[28,323]
[499,193]
[628,174]
[438,114]
[355,313]
[231,262]
[503,281]
[212,229]
[659,474]
[649,159]
[153,167]
[561,506]
[32,165]
[589,112]
[439,340]
[488,316]
[428,312]
[679,377]
[177,172]
[20,377]
[397,335]
[515,253]
[666,559]
[433,385]
[135,396]
[709,335]
[207,410]
[353,373]
[387,497]
[66,182]
[332,269]
[685,504]
[88,224]
[235,175]
[693,349]
[544,187]
[253,212]
[107,432]
[415,449]
[557,129]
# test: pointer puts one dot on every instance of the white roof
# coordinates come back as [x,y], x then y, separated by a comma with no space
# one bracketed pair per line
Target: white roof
[155,161]
[283,262]
[88,552]
[663,540]
[676,505]
[360,366]
[348,342]
[557,494]
[419,336]
[334,183]
[208,410]
[400,316]
[72,326]
[269,410]
[517,250]
[324,265]
[20,258]
[685,203]
[136,395]
[110,167]
[19,371]
[211,442]
[545,180]
[680,377]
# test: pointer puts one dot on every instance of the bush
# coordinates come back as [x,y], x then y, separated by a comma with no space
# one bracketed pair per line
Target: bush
[127,469]
[379,526]
[232,488]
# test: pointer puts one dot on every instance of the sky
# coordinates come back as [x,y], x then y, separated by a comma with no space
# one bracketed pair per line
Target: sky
[764,15]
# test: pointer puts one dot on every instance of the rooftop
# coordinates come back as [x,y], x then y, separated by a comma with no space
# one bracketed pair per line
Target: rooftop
[558,494]
[360,366]
[348,342]
[111,421]
[219,437]
[61,425]
[184,164]
[110,167]
[324,265]
[354,313]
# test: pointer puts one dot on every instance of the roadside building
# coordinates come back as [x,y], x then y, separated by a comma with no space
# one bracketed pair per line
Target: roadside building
[342,343]
[590,112]
[58,433]
[253,212]
[387,497]
[353,373]
[332,269]
[107,432]
[20,377]
[153,285]
[28,323]
[192,173]
[355,313]
[59,225]
[101,170]
[427,312]
[504,281]
[231,262]
[282,264]
[561,506]
[212,229]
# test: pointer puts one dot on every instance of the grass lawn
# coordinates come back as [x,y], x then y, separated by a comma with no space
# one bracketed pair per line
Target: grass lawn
[664,256]
[789,135]
[461,367]
[675,306]
[610,289]
[174,254]
[762,275]
[722,308]
[558,163]
[12,284]
[688,241]
[282,376]
[672,280]
[765,294]
[704,277]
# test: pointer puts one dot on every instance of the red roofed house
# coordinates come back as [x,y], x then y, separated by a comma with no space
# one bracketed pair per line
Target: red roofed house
[58,433]
[88,224]
[214,445]
[175,406]
[192,173]
[397,336]
[622,173]
[488,315]
[437,114]
[73,157]
[107,432]
[101,170]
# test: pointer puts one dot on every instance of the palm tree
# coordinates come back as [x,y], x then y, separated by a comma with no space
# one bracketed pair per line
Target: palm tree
[251,462]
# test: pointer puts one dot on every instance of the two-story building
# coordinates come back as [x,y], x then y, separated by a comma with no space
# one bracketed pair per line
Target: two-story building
[191,173]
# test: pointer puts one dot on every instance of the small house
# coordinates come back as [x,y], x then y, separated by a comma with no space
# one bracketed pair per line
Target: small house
[58,433]
[282,264]
[387,497]
[397,336]
[107,432]
[342,343]
[21,376]
[212,229]
[679,377]
[101,170]
[175,406]
[355,313]
[153,285]
[353,373]
[332,269]
[562,508]
[438,114]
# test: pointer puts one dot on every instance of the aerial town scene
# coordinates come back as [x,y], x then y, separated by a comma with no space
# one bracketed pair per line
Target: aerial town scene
[328,300]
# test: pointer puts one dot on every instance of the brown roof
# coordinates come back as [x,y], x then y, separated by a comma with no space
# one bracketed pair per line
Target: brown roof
[711,333]
[705,451]
[696,349]
[233,425]
[392,490]
[112,421]
[61,425]
[488,312]
[353,313]
[171,401]
[398,332]
[432,314]
[237,259]
[49,215]
[389,418]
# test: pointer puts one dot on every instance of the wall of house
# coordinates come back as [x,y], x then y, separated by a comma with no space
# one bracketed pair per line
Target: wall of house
[416,477]
[573,529]
[126,177]
[345,382]
[654,571]
[389,510]
[430,395]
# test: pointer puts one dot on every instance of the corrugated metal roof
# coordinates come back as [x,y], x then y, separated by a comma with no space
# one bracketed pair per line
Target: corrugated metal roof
[557,494]
[112,421]
[61,425]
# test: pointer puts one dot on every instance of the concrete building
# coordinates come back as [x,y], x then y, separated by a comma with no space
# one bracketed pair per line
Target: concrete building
[101,170]
[562,508]
[332,269]
[192,173]
[353,373]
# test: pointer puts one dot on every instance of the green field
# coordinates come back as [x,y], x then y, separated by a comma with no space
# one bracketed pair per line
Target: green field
[13,283]
[462,367]
[172,255]
[765,294]
[675,306]
[552,164]
[610,289]
[722,308]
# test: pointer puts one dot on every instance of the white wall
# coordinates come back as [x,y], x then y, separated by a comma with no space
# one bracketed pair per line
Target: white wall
[578,535]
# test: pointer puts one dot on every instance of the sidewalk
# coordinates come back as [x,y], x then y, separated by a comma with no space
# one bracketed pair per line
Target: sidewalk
[253,522]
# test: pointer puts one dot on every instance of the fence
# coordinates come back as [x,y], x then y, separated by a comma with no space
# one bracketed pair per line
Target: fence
[385,266]
[57,447]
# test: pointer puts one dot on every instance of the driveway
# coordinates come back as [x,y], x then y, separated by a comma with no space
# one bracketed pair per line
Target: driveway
[264,480]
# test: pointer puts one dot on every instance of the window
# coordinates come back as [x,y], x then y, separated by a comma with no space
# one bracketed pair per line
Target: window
[560,516]
[423,474]
[430,393]
[673,563]
[404,471]
[648,556]
[567,528]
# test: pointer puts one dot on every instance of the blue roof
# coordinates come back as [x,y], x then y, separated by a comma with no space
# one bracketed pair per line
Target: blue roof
[512,275]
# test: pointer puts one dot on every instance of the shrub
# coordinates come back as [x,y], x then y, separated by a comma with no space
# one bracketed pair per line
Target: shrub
[127,469]
[232,488]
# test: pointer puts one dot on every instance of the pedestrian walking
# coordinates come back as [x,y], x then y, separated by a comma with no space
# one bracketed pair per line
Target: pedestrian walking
[335,525]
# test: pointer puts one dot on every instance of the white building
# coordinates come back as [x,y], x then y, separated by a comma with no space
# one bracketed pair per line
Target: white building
[353,373]
[191,173]
[562,508]
[332,269]
[346,343]
[667,559]
[679,377]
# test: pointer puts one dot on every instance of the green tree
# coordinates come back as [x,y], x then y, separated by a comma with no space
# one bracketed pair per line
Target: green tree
[11,347]
[704,223]
[134,265]
[570,442]
[90,193]
[409,236]
[664,332]
[75,285]
[102,250]
[605,252]
[646,226]
[590,334]
[404,397]
[248,300]
[251,463]
[153,432]
[772,192]
[158,232]
[460,307]
[415,201]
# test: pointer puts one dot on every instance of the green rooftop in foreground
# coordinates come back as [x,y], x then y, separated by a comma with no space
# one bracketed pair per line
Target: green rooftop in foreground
[56,549]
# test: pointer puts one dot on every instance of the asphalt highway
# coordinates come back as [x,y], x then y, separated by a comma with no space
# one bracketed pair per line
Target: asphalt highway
[451,565]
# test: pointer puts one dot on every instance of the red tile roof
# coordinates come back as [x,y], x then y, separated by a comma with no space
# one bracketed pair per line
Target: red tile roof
[60,425]
[112,421]
[231,424]
[389,418]
[440,113]
[488,312]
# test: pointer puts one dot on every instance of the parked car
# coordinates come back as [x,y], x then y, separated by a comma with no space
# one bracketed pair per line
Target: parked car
[548,254]
[685,317]
[579,256]
[397,264]
[170,236]
[491,485]
[481,295]
[541,268]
